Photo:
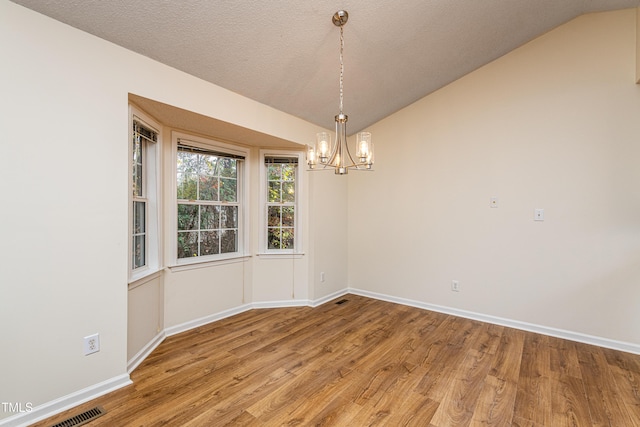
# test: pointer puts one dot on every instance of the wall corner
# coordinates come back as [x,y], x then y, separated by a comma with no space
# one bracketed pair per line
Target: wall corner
[637,46]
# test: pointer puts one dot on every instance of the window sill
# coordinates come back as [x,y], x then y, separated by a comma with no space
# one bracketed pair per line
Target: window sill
[192,265]
[280,255]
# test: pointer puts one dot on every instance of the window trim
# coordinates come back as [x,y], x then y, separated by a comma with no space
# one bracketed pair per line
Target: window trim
[151,195]
[297,250]
[181,138]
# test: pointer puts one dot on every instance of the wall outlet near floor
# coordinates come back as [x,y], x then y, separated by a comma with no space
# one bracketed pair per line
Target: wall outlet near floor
[322,276]
[91,344]
[455,286]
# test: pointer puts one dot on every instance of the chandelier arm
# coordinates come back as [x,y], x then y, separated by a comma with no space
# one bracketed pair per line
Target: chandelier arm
[353,164]
[334,150]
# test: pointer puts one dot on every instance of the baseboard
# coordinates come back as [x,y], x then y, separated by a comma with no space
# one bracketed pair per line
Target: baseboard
[145,351]
[300,303]
[281,303]
[327,298]
[544,330]
[69,401]
[186,326]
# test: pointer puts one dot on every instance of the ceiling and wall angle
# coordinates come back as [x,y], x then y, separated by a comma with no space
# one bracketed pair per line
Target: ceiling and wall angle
[285,54]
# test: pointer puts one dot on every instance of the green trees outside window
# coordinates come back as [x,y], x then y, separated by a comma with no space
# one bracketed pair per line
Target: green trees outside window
[207,208]
[281,203]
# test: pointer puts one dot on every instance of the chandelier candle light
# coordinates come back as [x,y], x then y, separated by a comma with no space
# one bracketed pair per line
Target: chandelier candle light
[338,156]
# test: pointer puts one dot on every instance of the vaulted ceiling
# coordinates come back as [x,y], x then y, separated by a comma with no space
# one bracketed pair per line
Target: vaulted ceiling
[286,53]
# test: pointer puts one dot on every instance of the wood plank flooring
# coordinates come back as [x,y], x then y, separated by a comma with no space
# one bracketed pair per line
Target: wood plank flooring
[369,362]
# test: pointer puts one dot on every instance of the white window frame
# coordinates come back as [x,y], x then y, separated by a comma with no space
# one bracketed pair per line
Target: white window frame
[151,195]
[298,237]
[243,200]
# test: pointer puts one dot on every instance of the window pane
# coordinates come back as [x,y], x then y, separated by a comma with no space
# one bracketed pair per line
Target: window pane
[208,188]
[288,172]
[187,217]
[210,241]
[229,217]
[273,216]
[273,172]
[188,163]
[273,238]
[137,180]
[228,190]
[287,238]
[208,165]
[228,241]
[138,217]
[187,186]
[227,167]
[187,175]
[288,191]
[209,217]
[137,167]
[288,216]
[137,151]
[138,251]
[188,244]
[275,195]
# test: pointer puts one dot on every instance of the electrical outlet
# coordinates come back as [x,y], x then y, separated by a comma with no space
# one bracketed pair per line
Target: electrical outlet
[455,286]
[322,277]
[91,344]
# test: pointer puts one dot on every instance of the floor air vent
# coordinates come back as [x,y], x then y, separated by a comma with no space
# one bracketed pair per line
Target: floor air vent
[342,301]
[82,418]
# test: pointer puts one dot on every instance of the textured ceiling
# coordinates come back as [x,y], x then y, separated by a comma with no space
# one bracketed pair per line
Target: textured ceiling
[285,53]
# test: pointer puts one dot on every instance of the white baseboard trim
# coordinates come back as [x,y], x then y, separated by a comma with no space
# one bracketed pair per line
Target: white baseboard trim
[145,351]
[327,298]
[281,304]
[69,401]
[544,330]
[300,303]
[192,324]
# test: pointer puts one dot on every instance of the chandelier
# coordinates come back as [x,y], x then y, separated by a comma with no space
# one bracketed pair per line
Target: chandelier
[325,155]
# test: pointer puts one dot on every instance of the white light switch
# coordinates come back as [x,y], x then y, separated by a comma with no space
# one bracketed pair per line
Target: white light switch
[538,215]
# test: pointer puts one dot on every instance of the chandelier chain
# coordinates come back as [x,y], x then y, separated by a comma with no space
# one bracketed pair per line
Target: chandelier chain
[341,69]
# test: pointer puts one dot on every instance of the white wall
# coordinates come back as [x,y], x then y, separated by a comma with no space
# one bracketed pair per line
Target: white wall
[63,114]
[553,125]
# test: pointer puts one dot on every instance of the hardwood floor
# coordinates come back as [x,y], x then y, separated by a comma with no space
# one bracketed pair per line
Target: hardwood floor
[369,362]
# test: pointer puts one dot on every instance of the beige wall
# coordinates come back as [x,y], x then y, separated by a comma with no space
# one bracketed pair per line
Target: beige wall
[552,125]
[145,316]
[328,233]
[64,116]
